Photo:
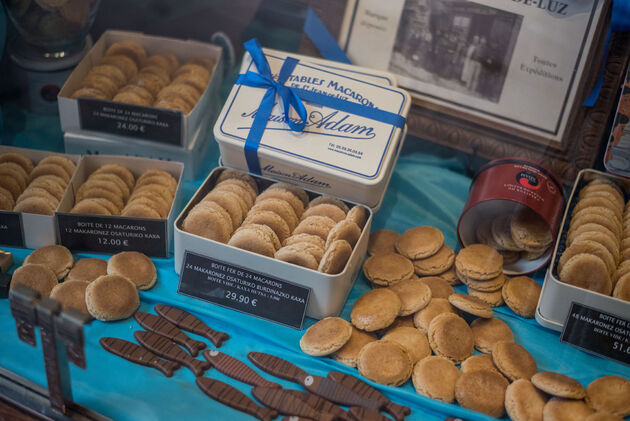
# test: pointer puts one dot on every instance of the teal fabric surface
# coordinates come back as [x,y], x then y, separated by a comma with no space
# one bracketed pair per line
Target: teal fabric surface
[425,189]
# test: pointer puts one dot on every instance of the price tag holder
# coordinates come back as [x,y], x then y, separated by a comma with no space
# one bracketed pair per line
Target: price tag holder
[113,234]
[120,119]
[598,332]
[11,230]
[243,290]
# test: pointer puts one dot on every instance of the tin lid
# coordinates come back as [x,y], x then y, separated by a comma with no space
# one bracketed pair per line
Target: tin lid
[363,147]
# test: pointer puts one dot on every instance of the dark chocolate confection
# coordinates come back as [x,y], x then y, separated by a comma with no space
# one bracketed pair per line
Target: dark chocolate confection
[363,414]
[232,397]
[317,403]
[368,392]
[163,327]
[184,320]
[137,354]
[168,349]
[321,386]
[236,369]
[288,404]
[294,418]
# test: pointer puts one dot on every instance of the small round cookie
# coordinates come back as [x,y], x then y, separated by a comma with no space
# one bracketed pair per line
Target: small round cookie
[479,262]
[230,202]
[254,239]
[16,172]
[489,285]
[489,332]
[471,305]
[382,241]
[166,60]
[606,191]
[316,251]
[594,201]
[335,258]
[315,225]
[245,201]
[420,242]
[300,193]
[138,210]
[575,231]
[112,208]
[326,336]
[521,294]
[483,234]
[305,238]
[529,230]
[22,160]
[558,409]
[587,271]
[510,257]
[359,215]
[414,295]
[436,264]
[135,266]
[450,276]
[100,184]
[588,247]
[243,185]
[132,98]
[344,230]
[533,254]
[492,298]
[98,83]
[93,192]
[513,361]
[385,362]
[111,297]
[478,362]
[35,276]
[280,207]
[90,207]
[622,289]
[422,319]
[435,377]
[50,183]
[610,243]
[38,192]
[410,338]
[56,257]
[71,295]
[609,394]
[331,200]
[230,173]
[122,172]
[205,62]
[602,416]
[112,72]
[36,205]
[159,178]
[12,186]
[128,48]
[451,337]
[501,233]
[376,309]
[387,269]
[155,202]
[439,287]
[89,92]
[287,196]
[556,384]
[297,256]
[194,80]
[272,220]
[193,68]
[349,353]
[523,402]
[269,233]
[87,270]
[6,199]
[325,209]
[599,215]
[406,321]
[124,63]
[622,269]
[482,391]
[140,93]
[208,222]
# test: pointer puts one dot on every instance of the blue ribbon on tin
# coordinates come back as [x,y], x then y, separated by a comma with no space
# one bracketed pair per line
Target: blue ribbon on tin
[292,98]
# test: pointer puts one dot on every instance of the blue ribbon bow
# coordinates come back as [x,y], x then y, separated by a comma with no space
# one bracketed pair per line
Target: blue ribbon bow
[291,98]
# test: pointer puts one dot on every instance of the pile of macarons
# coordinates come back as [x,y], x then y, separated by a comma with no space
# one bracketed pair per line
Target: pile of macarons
[126,74]
[26,187]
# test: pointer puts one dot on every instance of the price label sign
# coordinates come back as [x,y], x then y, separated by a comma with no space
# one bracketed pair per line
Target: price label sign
[11,232]
[112,234]
[243,290]
[598,332]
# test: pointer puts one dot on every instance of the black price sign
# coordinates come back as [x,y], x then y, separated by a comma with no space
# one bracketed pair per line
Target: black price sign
[131,120]
[243,290]
[11,232]
[113,234]
[598,332]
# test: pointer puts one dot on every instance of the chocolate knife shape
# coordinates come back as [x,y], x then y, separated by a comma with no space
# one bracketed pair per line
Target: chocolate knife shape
[368,392]
[168,349]
[167,329]
[236,369]
[317,403]
[186,321]
[234,398]
[137,354]
[321,386]
[363,414]
[288,404]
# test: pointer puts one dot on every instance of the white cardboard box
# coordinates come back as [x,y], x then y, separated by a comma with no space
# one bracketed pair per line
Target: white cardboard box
[37,230]
[170,126]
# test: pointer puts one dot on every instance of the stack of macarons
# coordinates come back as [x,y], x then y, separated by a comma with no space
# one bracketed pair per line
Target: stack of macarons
[597,253]
[113,190]
[29,188]
[280,222]
[125,74]
[106,290]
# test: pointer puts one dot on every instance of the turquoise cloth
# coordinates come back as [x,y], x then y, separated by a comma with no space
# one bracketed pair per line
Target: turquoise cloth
[425,189]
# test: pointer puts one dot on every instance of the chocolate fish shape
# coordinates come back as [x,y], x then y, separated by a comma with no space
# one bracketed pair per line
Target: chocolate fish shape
[168,349]
[186,321]
[236,369]
[318,404]
[137,354]
[363,414]
[321,386]
[234,398]
[167,329]
[288,404]
[368,392]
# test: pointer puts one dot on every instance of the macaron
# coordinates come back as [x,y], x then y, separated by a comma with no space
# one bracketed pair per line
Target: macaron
[315,225]
[254,239]
[124,63]
[239,175]
[524,402]
[492,298]
[38,277]
[376,309]
[287,196]
[129,48]
[587,271]
[58,258]
[556,384]
[422,319]
[208,222]
[420,242]
[6,199]
[280,207]
[135,266]
[349,352]
[305,238]
[90,207]
[230,202]
[87,270]
[414,295]
[325,209]
[386,269]
[272,220]
[326,336]
[111,297]
[451,337]
[335,258]
[299,192]
[513,361]
[482,391]
[488,285]
[439,287]
[36,205]
[385,362]
[559,409]
[138,210]
[435,378]
[500,229]
[450,276]
[471,305]
[478,362]
[345,230]
[331,200]
[609,394]
[359,215]
[410,338]
[117,169]
[71,295]
[25,162]
[297,256]
[588,247]
[489,332]
[382,241]
[269,233]
[436,264]
[479,262]
[529,230]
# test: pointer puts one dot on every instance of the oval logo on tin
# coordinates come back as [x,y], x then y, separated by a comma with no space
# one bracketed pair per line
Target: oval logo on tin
[528,180]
